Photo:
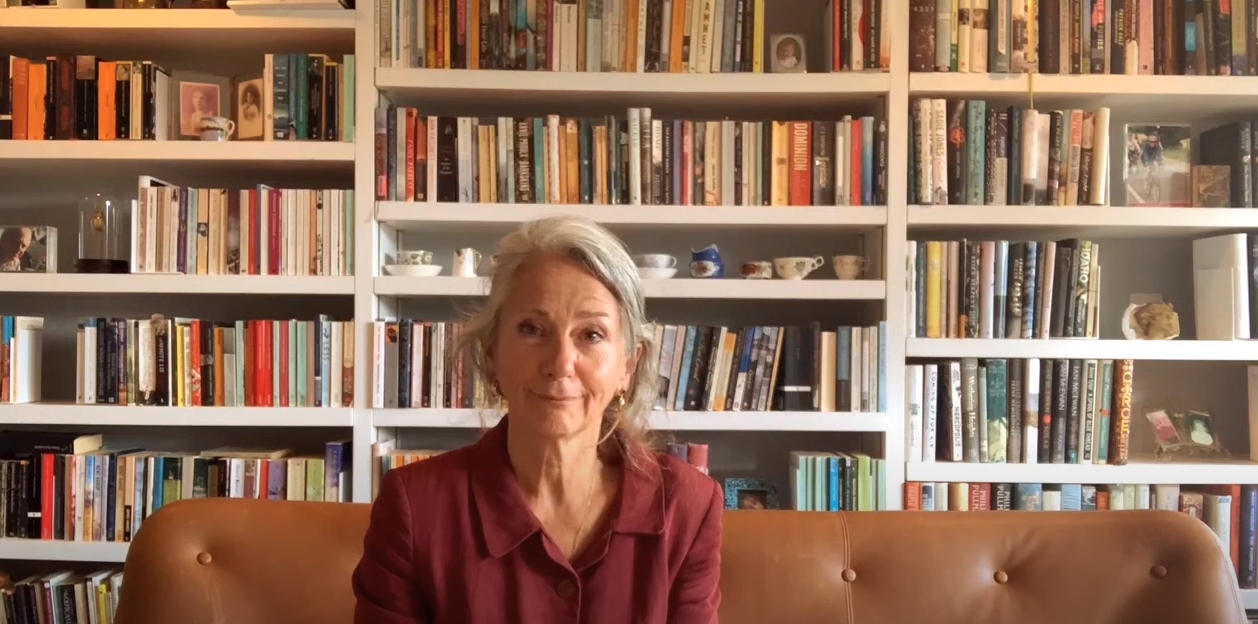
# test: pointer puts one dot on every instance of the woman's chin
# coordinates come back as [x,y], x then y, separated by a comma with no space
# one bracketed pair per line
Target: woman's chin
[555,418]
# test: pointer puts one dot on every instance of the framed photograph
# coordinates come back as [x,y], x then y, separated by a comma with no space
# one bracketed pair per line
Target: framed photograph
[28,249]
[1163,429]
[1199,426]
[788,54]
[1158,171]
[741,493]
[1186,434]
[247,108]
[196,96]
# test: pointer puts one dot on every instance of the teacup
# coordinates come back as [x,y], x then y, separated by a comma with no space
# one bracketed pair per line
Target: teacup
[216,128]
[654,261]
[848,267]
[759,269]
[797,267]
[415,257]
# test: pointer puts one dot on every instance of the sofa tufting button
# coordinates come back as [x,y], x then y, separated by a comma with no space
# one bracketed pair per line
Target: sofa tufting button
[849,575]
[204,558]
[1158,571]
[1002,577]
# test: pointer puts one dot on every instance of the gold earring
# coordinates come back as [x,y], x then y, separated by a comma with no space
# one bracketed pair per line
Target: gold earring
[620,402]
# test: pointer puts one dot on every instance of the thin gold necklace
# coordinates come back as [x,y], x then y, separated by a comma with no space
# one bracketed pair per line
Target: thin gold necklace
[589,500]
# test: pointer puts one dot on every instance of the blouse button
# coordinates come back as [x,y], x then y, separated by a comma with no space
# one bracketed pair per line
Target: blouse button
[566,589]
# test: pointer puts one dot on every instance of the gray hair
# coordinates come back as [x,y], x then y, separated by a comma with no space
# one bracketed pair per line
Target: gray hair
[624,430]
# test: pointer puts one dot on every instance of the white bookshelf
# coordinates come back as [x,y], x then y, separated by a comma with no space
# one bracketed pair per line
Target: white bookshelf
[421,216]
[677,288]
[1146,471]
[1080,348]
[1093,221]
[12,550]
[659,420]
[155,283]
[54,414]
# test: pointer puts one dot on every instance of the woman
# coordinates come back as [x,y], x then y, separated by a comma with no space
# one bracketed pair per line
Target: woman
[560,513]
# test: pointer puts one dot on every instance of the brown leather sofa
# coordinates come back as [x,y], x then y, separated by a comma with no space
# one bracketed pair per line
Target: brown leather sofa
[218,561]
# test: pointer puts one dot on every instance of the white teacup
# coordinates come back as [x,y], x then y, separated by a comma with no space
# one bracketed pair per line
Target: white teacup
[216,128]
[797,267]
[848,267]
[415,257]
[655,261]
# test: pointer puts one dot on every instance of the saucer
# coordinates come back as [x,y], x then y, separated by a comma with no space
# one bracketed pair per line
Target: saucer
[413,270]
[656,273]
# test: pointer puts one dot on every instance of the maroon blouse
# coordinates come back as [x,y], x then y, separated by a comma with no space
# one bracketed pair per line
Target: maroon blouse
[452,541]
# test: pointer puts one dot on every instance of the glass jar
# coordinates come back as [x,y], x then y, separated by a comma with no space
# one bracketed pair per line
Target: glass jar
[104,235]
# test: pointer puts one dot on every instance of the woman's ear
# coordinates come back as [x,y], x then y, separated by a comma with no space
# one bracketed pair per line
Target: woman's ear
[631,366]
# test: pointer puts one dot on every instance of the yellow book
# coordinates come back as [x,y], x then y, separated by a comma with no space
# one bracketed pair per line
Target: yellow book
[934,288]
[757,40]
[473,36]
[445,34]
[176,358]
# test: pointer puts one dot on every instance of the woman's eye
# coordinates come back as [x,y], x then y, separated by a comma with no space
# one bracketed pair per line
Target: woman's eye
[530,329]
[594,335]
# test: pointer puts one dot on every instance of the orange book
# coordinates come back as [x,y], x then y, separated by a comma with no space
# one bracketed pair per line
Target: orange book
[801,163]
[573,163]
[21,97]
[856,158]
[681,9]
[106,101]
[912,496]
[629,37]
[412,152]
[1102,500]
[980,496]
[431,55]
[37,82]
[194,365]
[473,35]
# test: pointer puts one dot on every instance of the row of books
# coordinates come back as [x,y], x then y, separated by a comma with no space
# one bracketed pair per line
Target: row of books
[1020,411]
[637,160]
[257,231]
[1162,37]
[83,97]
[837,482]
[183,362]
[65,594]
[793,368]
[1002,289]
[70,486]
[21,358]
[415,364]
[967,152]
[1231,511]
[671,36]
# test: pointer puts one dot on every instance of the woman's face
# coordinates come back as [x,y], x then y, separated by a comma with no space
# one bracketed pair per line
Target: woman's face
[559,358]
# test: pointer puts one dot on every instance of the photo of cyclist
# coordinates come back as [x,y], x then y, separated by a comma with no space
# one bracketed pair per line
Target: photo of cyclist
[1158,170]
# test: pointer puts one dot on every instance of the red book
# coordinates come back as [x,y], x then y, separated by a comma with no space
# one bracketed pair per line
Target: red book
[980,497]
[286,330]
[801,161]
[857,160]
[912,489]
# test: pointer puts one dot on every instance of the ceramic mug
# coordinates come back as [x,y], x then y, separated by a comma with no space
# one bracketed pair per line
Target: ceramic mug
[757,270]
[796,267]
[466,260]
[217,128]
[414,258]
[705,268]
[848,267]
[654,261]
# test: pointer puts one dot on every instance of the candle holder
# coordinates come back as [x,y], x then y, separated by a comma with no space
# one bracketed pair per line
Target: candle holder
[104,235]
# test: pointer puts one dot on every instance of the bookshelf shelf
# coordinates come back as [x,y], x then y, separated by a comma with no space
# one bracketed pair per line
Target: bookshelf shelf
[420,216]
[1176,350]
[660,420]
[1095,221]
[76,283]
[174,30]
[61,550]
[1089,474]
[630,89]
[180,157]
[816,289]
[157,416]
[1181,93]
[1249,597]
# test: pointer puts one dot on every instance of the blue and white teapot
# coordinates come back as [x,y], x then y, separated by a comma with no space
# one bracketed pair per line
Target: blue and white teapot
[706,262]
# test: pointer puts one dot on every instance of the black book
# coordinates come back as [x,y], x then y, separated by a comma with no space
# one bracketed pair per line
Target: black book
[1046,411]
[1074,412]
[1061,401]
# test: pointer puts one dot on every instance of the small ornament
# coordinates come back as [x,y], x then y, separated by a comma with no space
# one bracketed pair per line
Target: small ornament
[1156,320]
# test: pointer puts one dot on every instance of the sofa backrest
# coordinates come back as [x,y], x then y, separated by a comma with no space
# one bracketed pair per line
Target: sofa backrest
[276,562]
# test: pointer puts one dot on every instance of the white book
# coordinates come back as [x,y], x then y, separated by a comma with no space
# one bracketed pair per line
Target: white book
[914,391]
[635,163]
[910,287]
[718,34]
[1031,411]
[931,417]
[842,172]
[1220,287]
[956,427]
[1052,500]
[78,367]
[857,35]
[979,17]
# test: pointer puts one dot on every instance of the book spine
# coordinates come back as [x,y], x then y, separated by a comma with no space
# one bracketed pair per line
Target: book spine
[997,410]
[1124,372]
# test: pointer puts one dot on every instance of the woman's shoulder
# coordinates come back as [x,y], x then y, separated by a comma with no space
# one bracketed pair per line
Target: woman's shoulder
[686,489]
